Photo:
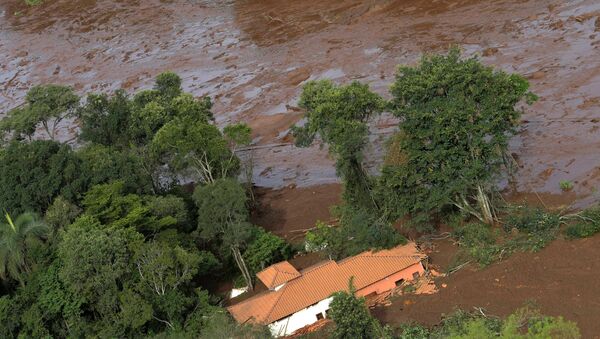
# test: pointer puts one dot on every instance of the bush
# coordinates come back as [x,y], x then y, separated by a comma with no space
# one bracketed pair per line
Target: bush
[267,249]
[587,225]
[566,185]
[479,241]
[537,227]
[358,231]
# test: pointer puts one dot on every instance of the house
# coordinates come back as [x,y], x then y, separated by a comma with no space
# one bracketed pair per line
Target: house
[295,299]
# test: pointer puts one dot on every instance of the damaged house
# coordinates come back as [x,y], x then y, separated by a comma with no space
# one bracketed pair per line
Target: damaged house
[295,299]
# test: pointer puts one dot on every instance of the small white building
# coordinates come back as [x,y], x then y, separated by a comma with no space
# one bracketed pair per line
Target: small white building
[297,299]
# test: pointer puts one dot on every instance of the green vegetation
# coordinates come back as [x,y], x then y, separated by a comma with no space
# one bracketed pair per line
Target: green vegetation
[524,229]
[122,249]
[456,119]
[526,322]
[566,185]
[456,115]
[352,318]
[358,231]
[45,105]
[34,2]
[586,224]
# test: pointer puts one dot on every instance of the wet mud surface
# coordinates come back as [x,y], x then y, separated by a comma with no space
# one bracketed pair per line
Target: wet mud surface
[559,280]
[252,57]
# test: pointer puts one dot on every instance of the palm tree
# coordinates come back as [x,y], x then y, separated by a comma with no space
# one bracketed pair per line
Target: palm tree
[14,239]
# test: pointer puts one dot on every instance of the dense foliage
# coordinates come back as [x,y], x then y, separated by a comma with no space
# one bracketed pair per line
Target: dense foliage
[524,323]
[122,250]
[339,115]
[358,231]
[457,116]
[352,318]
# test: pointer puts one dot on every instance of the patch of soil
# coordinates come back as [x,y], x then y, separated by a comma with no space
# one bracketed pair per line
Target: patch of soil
[561,280]
[289,211]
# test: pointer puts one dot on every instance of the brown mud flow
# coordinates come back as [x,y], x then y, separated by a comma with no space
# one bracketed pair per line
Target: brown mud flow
[252,57]
[560,280]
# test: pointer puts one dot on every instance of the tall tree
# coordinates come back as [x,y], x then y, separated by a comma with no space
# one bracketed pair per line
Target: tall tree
[33,174]
[457,116]
[47,105]
[16,237]
[105,120]
[223,215]
[339,115]
[196,147]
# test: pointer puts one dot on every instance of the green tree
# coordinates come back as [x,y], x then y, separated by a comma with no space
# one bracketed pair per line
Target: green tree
[339,114]
[457,116]
[265,250]
[61,213]
[105,120]
[16,239]
[47,105]
[162,267]
[33,174]
[357,231]
[96,264]
[185,105]
[145,121]
[220,325]
[223,215]
[537,326]
[103,164]
[196,147]
[168,84]
[351,316]
[112,206]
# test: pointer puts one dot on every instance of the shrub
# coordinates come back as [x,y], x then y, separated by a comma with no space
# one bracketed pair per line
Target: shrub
[587,225]
[566,185]
[479,241]
[537,227]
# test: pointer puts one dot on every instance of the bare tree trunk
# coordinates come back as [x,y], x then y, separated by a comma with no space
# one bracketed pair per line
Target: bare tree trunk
[242,266]
[484,210]
[485,206]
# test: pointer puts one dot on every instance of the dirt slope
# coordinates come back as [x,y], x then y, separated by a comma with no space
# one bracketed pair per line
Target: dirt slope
[562,280]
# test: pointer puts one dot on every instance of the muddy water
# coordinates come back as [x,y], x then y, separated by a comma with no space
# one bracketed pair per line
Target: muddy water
[252,57]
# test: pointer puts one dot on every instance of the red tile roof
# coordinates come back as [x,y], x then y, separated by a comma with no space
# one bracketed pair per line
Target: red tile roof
[321,281]
[277,274]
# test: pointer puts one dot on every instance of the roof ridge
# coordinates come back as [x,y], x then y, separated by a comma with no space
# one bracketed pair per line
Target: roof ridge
[316,266]
[283,288]
[285,272]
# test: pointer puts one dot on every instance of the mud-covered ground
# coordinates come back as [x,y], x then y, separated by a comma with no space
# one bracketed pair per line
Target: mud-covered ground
[561,280]
[252,57]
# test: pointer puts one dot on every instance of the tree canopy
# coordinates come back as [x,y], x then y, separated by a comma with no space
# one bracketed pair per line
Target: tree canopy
[123,249]
[457,116]
[45,105]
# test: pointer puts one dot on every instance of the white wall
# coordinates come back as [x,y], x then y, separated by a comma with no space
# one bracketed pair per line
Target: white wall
[299,319]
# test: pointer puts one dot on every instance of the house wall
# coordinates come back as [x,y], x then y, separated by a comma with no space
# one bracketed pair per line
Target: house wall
[389,283]
[307,316]
[299,319]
